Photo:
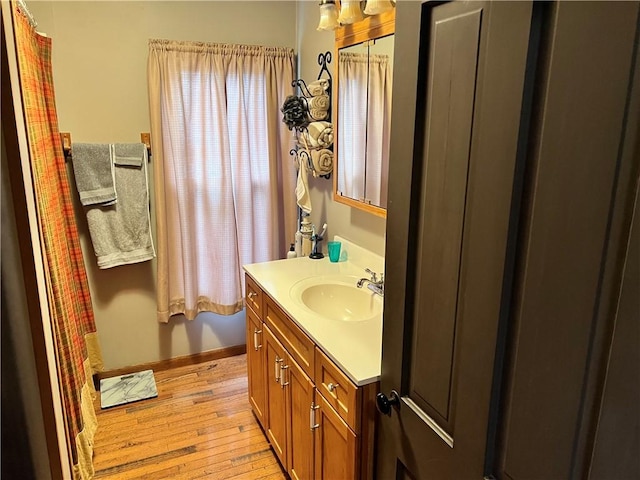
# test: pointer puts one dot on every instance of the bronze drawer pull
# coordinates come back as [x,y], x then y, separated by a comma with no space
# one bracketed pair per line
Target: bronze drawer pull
[277,368]
[312,417]
[256,332]
[283,369]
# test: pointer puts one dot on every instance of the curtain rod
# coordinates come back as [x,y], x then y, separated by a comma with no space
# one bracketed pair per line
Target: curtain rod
[22,5]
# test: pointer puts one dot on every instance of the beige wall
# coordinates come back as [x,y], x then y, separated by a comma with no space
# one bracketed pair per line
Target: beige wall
[99,63]
[362,228]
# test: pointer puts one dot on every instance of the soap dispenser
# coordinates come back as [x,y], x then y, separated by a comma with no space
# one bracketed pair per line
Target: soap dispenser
[292,252]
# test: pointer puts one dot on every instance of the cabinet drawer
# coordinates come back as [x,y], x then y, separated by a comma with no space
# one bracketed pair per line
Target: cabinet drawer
[255,297]
[338,390]
[295,340]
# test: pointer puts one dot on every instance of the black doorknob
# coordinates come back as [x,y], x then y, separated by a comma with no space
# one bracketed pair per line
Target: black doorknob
[384,403]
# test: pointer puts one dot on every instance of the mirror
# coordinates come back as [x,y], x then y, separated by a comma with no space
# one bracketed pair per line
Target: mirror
[363,115]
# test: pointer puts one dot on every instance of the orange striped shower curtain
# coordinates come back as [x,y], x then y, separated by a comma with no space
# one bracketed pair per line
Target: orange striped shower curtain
[78,353]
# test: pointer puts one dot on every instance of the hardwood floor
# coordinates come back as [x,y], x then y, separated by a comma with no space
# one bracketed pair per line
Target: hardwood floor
[199,427]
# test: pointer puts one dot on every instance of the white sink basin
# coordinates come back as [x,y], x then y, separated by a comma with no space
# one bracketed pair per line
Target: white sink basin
[337,298]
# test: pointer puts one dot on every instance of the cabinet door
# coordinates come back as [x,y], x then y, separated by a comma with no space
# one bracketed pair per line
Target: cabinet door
[256,368]
[276,395]
[300,434]
[335,444]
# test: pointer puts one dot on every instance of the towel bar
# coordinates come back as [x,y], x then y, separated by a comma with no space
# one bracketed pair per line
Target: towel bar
[65,138]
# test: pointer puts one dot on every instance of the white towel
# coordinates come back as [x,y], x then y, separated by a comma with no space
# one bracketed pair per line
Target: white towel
[121,233]
[319,107]
[94,174]
[302,185]
[322,161]
[319,87]
[319,134]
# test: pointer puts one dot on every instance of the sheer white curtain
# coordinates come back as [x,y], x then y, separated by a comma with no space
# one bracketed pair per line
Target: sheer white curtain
[364,118]
[224,186]
[352,122]
[378,129]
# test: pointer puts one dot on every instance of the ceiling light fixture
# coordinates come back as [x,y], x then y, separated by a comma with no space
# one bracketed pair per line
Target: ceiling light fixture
[328,15]
[376,7]
[350,12]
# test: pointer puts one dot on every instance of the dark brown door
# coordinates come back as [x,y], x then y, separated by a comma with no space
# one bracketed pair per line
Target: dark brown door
[616,445]
[582,175]
[457,106]
[511,311]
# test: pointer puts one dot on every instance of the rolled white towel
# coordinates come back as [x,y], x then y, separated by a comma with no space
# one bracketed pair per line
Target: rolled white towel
[319,87]
[319,107]
[322,162]
[319,134]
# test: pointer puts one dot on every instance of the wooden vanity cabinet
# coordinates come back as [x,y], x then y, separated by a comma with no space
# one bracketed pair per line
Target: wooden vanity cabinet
[319,423]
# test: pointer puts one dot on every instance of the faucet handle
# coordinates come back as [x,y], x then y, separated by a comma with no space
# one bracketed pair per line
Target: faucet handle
[374,275]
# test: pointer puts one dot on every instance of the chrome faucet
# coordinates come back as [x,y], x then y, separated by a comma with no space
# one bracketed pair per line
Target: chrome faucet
[373,284]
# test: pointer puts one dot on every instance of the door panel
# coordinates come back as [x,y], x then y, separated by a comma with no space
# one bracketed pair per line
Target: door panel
[256,363]
[617,432]
[276,396]
[575,164]
[454,140]
[301,436]
[335,445]
[617,441]
[451,87]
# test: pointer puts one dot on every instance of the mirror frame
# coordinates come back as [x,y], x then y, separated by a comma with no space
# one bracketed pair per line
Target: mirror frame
[370,28]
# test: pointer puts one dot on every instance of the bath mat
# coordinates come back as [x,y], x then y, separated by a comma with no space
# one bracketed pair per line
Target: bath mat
[128,388]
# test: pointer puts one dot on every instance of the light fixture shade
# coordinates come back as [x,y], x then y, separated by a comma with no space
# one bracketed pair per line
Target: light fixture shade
[376,7]
[328,15]
[350,12]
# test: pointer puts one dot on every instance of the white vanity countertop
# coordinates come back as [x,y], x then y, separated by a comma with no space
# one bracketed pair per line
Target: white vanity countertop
[355,346]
